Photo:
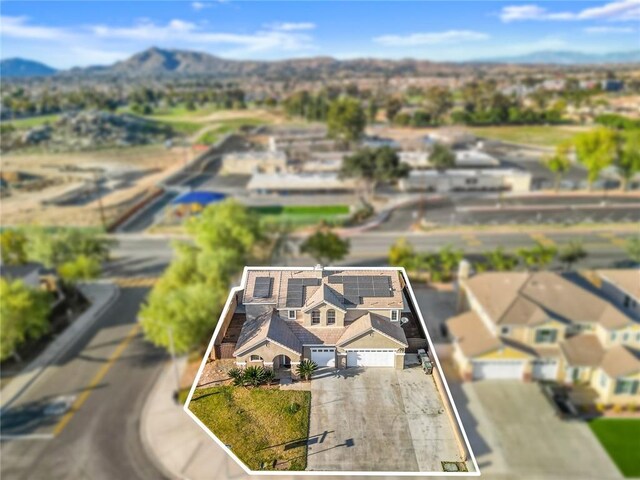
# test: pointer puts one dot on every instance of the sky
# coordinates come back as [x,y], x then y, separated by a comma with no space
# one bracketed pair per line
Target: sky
[68,34]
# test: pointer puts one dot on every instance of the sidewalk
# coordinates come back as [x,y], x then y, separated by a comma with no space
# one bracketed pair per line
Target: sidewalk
[175,443]
[101,295]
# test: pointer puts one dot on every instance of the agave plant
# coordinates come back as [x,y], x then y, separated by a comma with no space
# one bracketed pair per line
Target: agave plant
[269,375]
[237,376]
[306,368]
[254,375]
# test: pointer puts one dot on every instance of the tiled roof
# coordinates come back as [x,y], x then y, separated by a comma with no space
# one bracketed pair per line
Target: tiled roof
[267,326]
[620,361]
[472,336]
[627,280]
[584,350]
[324,294]
[372,321]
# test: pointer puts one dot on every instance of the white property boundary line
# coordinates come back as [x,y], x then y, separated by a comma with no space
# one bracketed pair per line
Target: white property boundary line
[225,310]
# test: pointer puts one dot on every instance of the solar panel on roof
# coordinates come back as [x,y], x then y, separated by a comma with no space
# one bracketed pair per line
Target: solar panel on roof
[262,287]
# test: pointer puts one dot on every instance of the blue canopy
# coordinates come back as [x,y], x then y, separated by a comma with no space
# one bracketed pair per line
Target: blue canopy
[201,198]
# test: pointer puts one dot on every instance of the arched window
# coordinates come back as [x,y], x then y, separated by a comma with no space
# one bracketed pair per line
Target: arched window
[315,317]
[331,317]
[256,358]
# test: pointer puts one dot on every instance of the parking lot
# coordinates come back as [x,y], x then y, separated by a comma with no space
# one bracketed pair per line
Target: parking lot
[515,434]
[378,419]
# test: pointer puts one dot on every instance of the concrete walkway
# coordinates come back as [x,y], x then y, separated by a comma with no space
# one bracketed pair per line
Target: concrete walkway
[101,295]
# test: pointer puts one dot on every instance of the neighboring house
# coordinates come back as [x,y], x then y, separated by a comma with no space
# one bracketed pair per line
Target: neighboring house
[582,330]
[335,317]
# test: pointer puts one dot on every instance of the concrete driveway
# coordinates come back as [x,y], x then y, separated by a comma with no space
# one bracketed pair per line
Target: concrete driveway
[515,434]
[378,419]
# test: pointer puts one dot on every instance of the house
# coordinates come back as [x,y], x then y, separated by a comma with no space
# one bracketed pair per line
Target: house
[581,330]
[340,318]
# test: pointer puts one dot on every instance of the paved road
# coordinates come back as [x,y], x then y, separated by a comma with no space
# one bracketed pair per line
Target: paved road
[107,373]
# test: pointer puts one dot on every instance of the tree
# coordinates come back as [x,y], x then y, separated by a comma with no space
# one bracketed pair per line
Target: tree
[633,249]
[500,261]
[373,166]
[628,159]
[372,111]
[81,268]
[13,247]
[558,163]
[448,260]
[439,101]
[186,301]
[572,253]
[442,158]
[596,150]
[392,108]
[183,315]
[325,247]
[53,248]
[538,256]
[402,254]
[346,119]
[24,315]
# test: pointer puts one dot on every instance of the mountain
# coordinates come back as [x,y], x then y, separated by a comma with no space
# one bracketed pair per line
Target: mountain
[21,67]
[552,57]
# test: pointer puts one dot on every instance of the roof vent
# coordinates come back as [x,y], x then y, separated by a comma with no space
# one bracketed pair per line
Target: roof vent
[318,267]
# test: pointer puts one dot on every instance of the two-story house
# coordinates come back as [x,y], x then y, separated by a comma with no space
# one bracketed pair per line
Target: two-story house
[579,330]
[335,317]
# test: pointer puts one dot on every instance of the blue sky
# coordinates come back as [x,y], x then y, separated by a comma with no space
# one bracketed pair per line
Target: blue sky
[66,34]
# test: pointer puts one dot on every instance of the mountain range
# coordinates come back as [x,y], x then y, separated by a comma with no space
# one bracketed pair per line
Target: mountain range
[158,62]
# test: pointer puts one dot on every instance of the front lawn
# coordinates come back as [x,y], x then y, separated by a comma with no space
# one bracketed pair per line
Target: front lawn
[303,215]
[261,426]
[620,437]
[542,135]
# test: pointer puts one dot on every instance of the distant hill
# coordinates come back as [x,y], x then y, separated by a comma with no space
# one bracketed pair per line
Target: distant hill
[158,62]
[20,67]
[552,57]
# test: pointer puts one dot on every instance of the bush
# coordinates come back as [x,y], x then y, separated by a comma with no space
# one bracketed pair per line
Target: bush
[306,368]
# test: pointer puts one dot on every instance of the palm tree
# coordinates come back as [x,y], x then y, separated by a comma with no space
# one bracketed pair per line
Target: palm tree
[306,368]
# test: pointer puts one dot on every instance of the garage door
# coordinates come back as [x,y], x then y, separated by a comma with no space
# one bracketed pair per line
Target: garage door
[324,357]
[508,369]
[545,369]
[370,358]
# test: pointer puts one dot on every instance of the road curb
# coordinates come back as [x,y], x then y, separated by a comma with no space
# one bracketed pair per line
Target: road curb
[60,345]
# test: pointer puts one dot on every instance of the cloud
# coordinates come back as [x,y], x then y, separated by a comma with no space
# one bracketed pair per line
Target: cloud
[291,26]
[430,38]
[197,6]
[607,30]
[622,10]
[18,27]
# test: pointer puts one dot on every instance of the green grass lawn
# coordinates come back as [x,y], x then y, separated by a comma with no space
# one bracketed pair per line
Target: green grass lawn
[227,126]
[303,215]
[258,425]
[541,135]
[621,439]
[24,123]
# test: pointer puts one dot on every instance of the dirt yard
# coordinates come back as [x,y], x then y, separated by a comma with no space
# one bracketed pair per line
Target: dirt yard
[62,189]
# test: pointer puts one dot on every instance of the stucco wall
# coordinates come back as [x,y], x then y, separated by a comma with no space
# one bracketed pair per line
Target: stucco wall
[372,340]
[268,351]
[306,316]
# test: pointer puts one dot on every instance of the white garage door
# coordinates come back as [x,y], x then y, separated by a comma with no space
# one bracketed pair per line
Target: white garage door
[370,358]
[324,357]
[506,369]
[545,369]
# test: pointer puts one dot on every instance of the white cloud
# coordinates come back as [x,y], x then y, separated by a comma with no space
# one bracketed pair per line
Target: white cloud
[19,27]
[430,38]
[607,30]
[292,26]
[197,6]
[622,10]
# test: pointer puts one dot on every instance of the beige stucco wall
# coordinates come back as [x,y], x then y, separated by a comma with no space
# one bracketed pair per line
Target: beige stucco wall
[606,393]
[268,351]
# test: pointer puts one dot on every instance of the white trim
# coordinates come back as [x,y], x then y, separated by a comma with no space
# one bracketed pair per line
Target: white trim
[268,363]
[241,353]
[405,345]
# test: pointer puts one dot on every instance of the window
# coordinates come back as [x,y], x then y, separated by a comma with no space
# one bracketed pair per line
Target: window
[256,358]
[628,387]
[625,337]
[292,314]
[546,336]
[603,380]
[331,317]
[471,181]
[627,301]
[315,317]
[505,331]
[613,336]
[394,315]
[638,337]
